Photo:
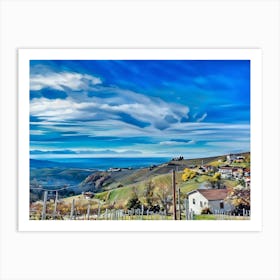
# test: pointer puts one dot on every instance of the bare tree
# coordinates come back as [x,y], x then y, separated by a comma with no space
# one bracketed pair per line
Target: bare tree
[165,197]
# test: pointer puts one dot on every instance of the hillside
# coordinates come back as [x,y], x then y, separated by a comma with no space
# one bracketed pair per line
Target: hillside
[106,180]
[115,187]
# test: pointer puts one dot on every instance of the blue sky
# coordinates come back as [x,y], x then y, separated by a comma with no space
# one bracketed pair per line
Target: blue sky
[139,108]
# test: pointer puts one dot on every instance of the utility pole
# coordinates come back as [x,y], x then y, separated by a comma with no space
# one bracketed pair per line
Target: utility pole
[179,203]
[174,194]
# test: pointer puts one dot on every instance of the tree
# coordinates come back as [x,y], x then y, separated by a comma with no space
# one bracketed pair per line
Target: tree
[215,180]
[165,197]
[188,174]
[216,177]
[149,194]
[133,203]
[239,198]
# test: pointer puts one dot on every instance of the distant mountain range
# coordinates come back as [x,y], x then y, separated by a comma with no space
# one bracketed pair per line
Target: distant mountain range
[36,163]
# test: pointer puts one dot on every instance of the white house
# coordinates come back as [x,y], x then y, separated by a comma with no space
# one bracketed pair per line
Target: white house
[226,172]
[214,199]
[231,158]
[88,195]
[114,169]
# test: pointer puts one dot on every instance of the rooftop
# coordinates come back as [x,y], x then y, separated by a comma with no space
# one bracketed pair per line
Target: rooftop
[215,194]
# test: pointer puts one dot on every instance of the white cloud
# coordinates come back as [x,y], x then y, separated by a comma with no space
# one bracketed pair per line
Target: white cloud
[202,117]
[60,81]
[111,111]
[127,107]
[175,143]
[37,132]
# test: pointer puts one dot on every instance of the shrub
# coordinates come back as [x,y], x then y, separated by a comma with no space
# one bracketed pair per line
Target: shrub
[133,203]
[188,174]
[206,210]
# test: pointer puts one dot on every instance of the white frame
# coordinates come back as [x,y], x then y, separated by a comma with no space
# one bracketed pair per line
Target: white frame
[254,55]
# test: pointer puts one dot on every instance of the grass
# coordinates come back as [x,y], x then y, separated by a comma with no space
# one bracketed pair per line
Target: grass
[217,163]
[219,217]
[146,218]
[120,194]
[205,217]
[241,164]
[230,183]
[119,197]
[193,184]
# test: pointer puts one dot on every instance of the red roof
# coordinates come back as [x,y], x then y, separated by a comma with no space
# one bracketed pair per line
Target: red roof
[226,167]
[216,194]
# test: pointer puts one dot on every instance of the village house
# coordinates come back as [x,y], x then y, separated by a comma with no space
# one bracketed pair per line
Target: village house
[247,172]
[207,168]
[237,172]
[231,158]
[226,172]
[88,195]
[239,159]
[114,169]
[247,182]
[210,168]
[214,199]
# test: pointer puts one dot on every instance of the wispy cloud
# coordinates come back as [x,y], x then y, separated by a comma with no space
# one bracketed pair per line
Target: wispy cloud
[60,81]
[177,142]
[202,118]
[129,107]
[156,108]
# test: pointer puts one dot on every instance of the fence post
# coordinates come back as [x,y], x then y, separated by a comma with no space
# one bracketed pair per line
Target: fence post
[44,205]
[72,209]
[98,213]
[191,216]
[88,211]
[186,208]
[55,204]
[174,195]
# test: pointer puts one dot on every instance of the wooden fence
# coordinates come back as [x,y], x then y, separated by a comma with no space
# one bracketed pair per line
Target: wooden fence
[132,214]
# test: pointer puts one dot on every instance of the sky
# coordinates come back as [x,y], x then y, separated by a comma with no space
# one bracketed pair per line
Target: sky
[139,108]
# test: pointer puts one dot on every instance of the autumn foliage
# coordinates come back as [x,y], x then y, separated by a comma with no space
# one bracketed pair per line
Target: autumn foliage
[188,174]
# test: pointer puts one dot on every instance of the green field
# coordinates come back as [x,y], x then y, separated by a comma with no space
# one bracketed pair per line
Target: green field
[120,196]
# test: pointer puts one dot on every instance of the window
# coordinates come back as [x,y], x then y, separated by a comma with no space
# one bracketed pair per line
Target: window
[201,204]
[221,205]
[193,201]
